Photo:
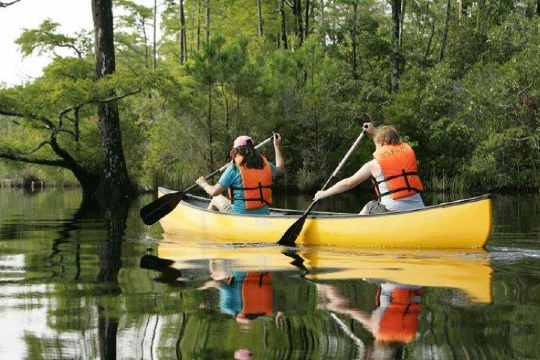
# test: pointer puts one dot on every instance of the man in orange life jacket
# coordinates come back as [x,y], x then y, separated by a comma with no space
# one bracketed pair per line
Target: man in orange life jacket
[248,179]
[393,172]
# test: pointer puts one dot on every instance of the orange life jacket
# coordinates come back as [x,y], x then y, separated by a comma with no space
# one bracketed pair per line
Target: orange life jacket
[257,294]
[256,185]
[399,321]
[398,164]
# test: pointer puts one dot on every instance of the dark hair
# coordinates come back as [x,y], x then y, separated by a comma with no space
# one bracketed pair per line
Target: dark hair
[252,158]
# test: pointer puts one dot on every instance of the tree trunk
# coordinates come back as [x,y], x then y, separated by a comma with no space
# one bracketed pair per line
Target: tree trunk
[260,29]
[146,51]
[427,53]
[538,7]
[323,22]
[183,47]
[207,37]
[354,41]
[306,16]
[480,18]
[116,182]
[401,21]
[297,12]
[210,130]
[396,56]
[228,139]
[284,41]
[445,32]
[198,25]
[154,55]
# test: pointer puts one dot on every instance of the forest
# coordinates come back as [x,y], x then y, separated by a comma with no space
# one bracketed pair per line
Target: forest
[458,78]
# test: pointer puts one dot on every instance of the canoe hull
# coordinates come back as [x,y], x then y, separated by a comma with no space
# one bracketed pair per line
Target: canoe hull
[458,225]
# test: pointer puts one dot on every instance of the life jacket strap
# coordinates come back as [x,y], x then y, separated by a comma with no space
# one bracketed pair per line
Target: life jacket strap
[260,187]
[404,174]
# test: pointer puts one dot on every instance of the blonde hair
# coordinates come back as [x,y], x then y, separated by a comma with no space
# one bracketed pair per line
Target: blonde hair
[387,135]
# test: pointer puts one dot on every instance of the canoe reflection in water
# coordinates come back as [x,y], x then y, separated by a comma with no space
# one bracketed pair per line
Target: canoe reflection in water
[393,323]
[319,302]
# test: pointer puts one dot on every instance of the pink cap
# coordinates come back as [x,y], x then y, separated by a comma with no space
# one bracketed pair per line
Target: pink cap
[242,141]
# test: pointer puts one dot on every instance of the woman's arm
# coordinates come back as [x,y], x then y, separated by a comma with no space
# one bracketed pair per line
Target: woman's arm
[280,163]
[211,190]
[348,183]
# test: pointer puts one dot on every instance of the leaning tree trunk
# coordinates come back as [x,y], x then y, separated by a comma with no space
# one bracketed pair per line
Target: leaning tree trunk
[396,56]
[115,182]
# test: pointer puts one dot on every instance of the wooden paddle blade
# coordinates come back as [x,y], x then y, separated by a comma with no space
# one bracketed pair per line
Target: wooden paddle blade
[292,232]
[160,207]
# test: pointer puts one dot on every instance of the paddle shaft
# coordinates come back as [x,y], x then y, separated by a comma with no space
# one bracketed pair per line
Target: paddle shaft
[215,172]
[338,168]
[289,238]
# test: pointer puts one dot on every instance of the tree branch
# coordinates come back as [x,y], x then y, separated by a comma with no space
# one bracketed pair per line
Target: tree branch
[116,98]
[43,143]
[48,123]
[30,160]
[95,101]
[6,4]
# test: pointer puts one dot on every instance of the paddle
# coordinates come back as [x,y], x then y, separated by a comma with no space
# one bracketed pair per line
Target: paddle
[292,232]
[166,203]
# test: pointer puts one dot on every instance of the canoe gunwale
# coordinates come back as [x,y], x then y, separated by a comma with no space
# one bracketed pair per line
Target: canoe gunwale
[290,213]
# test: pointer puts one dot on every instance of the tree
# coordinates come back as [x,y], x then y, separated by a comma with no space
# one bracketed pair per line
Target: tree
[116,183]
[138,18]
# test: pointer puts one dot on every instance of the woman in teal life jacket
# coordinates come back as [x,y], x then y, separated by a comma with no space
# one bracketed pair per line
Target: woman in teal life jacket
[248,179]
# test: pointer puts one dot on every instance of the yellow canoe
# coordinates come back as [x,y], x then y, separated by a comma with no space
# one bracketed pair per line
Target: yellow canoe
[454,225]
[468,271]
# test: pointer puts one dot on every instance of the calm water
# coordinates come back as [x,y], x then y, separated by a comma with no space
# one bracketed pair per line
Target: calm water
[70,288]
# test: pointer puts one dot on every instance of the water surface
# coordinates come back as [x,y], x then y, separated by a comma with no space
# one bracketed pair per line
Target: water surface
[70,287]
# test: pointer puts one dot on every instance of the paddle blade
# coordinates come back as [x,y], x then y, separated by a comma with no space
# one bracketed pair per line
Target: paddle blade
[292,232]
[157,209]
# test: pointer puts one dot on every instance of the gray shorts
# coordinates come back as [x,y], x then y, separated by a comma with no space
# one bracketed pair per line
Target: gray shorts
[373,207]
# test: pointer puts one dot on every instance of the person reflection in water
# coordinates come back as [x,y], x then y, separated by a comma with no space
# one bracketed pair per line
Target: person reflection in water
[243,295]
[393,323]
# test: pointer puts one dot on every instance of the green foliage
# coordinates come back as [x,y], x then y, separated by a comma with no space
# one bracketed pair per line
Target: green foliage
[464,103]
[46,38]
